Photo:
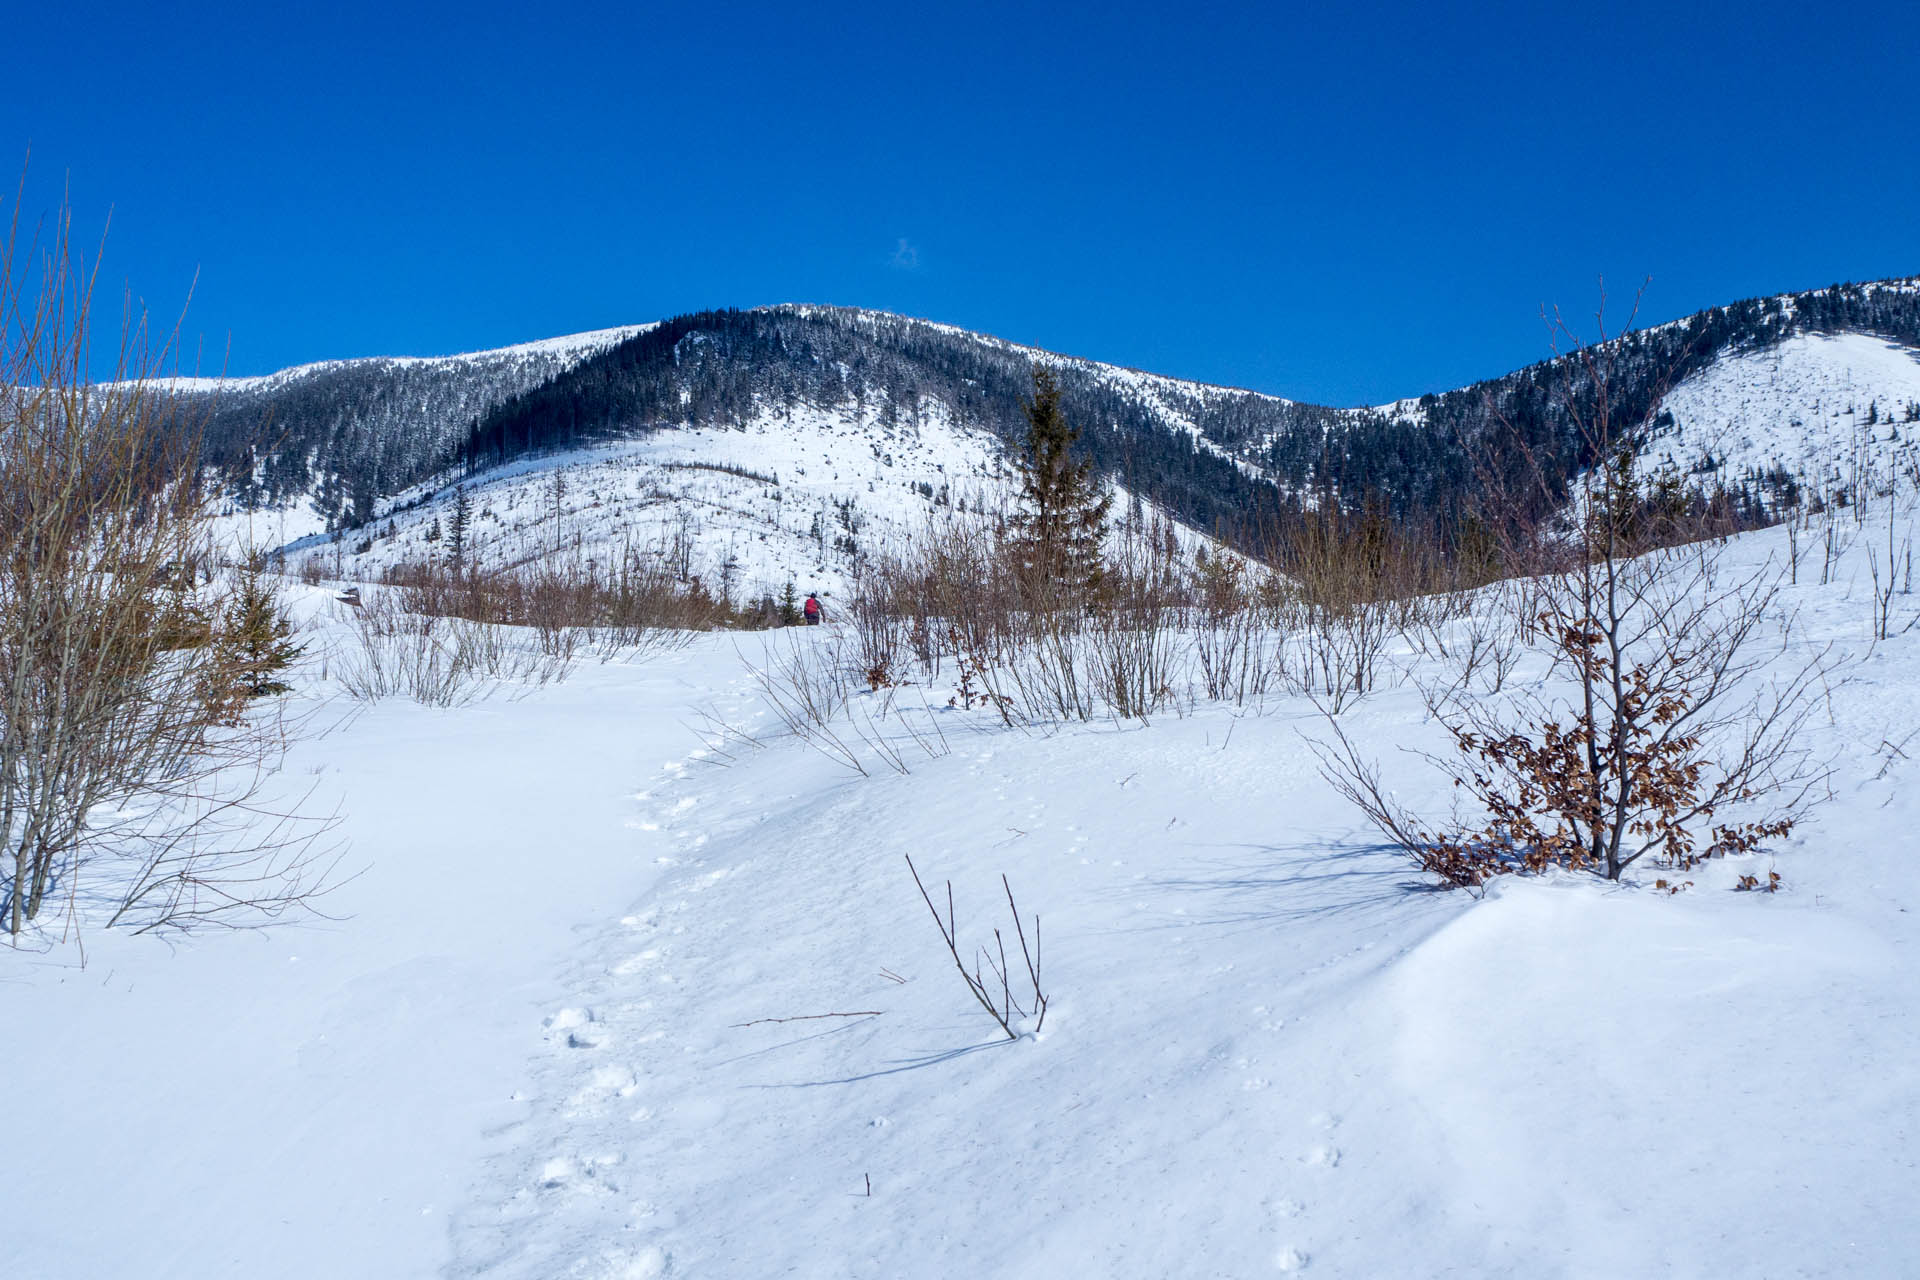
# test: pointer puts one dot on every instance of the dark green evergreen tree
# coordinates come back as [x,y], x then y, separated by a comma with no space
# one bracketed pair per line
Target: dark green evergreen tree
[255,644]
[1063,519]
[457,527]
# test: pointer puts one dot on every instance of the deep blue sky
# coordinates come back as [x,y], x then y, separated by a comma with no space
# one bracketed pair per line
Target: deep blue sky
[1343,203]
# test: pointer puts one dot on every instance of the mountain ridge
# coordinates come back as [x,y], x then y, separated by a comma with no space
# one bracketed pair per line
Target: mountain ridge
[349,436]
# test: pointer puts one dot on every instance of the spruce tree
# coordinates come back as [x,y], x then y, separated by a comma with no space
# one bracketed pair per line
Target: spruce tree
[457,527]
[254,645]
[1062,524]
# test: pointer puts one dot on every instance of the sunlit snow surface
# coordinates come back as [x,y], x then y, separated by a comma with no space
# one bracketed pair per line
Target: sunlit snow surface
[1801,406]
[522,1051]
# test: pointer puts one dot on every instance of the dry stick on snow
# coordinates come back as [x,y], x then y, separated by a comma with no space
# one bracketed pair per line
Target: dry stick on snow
[814,1017]
[1032,958]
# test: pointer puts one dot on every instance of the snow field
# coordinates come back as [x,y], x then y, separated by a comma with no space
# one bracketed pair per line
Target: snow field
[783,498]
[1801,406]
[539,1043]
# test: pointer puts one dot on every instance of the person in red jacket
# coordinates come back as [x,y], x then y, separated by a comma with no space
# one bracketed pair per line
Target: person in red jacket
[812,609]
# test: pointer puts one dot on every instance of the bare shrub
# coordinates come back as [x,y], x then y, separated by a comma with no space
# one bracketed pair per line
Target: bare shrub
[439,660]
[1359,582]
[1891,569]
[806,682]
[892,728]
[1135,645]
[131,774]
[1237,642]
[880,631]
[993,986]
[1480,642]
[636,604]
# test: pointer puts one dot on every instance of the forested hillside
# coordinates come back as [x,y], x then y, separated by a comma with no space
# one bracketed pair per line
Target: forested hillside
[347,435]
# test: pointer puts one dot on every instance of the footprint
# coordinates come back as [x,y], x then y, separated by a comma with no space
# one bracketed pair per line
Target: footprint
[1290,1259]
[634,963]
[1325,1155]
[573,1029]
[606,1082]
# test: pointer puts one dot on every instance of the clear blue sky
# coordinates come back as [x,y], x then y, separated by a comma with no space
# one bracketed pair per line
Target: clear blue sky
[1338,202]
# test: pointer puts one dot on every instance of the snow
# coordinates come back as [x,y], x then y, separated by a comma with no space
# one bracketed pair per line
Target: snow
[754,494]
[1801,406]
[569,349]
[535,1043]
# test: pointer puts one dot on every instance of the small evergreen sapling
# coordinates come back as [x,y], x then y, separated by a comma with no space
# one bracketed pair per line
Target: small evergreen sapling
[255,644]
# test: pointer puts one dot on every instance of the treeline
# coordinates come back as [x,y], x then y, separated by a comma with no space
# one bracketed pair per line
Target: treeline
[350,433]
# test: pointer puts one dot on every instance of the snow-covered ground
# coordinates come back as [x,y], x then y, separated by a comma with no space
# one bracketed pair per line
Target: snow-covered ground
[539,1041]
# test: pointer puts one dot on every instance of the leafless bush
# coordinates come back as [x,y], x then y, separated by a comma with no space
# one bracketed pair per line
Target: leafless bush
[635,604]
[439,660]
[131,777]
[1237,643]
[1892,572]
[892,728]
[1479,645]
[722,741]
[880,632]
[1834,541]
[993,987]
[806,683]
[1135,645]
[1359,582]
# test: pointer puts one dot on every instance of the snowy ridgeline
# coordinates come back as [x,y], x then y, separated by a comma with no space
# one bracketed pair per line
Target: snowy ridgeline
[625,993]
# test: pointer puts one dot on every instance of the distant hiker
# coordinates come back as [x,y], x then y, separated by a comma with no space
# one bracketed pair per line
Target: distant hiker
[812,609]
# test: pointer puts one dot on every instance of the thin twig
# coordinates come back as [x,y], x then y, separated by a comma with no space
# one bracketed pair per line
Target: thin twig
[812,1017]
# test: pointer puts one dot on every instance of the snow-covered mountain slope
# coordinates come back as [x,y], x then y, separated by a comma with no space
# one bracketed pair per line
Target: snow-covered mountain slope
[547,355]
[322,442]
[1839,413]
[796,497]
[786,496]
